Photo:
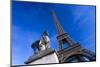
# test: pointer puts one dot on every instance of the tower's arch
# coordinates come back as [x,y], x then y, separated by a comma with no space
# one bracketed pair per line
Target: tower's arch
[79,57]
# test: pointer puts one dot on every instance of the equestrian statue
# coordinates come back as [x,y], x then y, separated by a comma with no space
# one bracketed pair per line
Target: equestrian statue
[41,44]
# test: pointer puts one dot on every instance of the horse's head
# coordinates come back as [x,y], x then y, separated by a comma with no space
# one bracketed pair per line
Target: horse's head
[35,44]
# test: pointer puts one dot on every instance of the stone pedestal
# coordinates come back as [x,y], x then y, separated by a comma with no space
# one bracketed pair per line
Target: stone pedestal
[47,56]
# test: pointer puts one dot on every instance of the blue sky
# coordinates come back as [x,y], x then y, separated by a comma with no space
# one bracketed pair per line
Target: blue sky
[30,19]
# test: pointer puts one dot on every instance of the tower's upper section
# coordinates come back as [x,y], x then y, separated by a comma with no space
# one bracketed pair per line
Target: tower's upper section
[59,27]
[62,36]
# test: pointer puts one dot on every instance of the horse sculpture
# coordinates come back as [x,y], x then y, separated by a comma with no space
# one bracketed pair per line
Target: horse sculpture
[41,44]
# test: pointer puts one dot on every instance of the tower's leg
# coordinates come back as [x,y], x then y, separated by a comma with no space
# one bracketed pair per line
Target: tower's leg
[60,45]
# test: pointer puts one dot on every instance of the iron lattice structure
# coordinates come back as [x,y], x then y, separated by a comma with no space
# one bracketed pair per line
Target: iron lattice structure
[74,52]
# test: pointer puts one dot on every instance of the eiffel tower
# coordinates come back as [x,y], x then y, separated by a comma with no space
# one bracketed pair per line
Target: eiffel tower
[74,52]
